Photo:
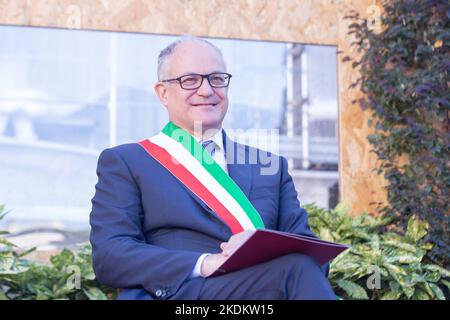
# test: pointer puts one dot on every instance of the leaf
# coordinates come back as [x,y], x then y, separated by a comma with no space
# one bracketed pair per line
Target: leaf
[446,283]
[416,229]
[325,234]
[27,252]
[426,246]
[6,263]
[398,274]
[346,266]
[421,295]
[394,271]
[3,296]
[90,275]
[375,242]
[392,295]
[404,246]
[404,259]
[64,258]
[432,276]
[6,242]
[412,279]
[352,289]
[437,291]
[95,294]
[341,209]
[409,291]
[433,267]
[3,215]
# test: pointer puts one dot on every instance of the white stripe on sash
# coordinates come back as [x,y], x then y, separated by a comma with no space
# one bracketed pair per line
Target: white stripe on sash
[180,154]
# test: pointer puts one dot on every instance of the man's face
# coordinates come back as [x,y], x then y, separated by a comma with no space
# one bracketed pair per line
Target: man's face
[205,105]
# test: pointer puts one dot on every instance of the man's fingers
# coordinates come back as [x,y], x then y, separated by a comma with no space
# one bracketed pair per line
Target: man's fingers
[235,242]
[211,263]
[225,248]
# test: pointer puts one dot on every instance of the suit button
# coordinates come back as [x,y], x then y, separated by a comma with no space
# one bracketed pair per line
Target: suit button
[159,293]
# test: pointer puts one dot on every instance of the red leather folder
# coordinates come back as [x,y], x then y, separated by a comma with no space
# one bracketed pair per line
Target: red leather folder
[264,245]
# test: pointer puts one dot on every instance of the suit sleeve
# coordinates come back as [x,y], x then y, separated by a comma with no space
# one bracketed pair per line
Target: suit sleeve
[121,256]
[292,217]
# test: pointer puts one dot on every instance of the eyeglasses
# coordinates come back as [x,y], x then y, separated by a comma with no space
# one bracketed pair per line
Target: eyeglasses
[195,81]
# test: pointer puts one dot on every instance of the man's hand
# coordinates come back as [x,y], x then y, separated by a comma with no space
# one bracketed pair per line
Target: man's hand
[235,241]
[213,261]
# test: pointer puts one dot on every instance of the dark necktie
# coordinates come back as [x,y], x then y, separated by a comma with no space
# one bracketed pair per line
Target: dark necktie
[208,145]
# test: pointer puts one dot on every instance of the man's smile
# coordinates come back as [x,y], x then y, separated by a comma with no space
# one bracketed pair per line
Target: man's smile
[204,105]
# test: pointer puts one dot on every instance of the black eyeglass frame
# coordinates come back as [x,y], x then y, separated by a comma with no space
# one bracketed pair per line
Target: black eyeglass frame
[207,76]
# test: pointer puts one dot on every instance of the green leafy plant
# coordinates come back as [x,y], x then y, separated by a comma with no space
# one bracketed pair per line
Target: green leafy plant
[69,275]
[405,67]
[398,259]
[380,264]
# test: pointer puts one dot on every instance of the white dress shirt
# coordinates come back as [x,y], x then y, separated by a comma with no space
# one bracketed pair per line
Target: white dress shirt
[219,157]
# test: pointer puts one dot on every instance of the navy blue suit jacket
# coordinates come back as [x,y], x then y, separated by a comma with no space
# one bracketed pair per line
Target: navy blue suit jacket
[148,229]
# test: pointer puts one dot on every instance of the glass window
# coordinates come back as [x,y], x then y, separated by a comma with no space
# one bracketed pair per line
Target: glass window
[65,95]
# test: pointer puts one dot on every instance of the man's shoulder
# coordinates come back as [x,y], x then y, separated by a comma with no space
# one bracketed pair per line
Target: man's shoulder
[126,152]
[123,149]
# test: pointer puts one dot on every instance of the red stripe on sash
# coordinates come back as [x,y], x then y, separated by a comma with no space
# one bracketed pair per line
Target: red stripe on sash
[190,181]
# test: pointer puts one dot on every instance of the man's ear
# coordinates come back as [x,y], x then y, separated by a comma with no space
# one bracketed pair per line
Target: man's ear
[161,92]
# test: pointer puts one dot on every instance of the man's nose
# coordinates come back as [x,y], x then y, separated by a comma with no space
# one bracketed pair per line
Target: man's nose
[205,89]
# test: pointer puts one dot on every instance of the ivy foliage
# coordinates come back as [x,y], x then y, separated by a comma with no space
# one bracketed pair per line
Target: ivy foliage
[404,68]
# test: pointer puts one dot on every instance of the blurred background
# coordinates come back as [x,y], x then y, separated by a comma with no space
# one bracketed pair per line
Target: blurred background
[66,95]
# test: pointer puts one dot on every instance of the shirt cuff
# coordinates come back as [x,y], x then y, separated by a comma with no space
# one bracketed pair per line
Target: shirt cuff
[197,272]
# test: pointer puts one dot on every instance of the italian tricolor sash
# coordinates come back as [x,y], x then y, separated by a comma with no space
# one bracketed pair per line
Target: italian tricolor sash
[179,152]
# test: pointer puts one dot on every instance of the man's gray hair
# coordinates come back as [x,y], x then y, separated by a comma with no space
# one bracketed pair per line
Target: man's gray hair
[166,53]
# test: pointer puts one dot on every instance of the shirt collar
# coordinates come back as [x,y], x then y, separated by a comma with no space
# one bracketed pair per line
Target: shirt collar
[217,138]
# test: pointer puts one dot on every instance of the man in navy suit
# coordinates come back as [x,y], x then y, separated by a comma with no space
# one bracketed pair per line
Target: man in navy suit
[153,238]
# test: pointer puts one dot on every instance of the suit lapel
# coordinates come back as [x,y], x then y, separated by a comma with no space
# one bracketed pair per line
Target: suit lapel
[237,164]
